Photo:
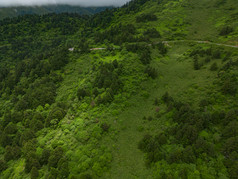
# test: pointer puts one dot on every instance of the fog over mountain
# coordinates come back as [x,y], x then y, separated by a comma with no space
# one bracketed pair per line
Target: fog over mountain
[7,3]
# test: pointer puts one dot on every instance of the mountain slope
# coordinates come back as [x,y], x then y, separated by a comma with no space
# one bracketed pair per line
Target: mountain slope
[16,11]
[183,19]
[133,92]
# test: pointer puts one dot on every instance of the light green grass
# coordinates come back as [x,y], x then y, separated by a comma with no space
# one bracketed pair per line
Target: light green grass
[178,78]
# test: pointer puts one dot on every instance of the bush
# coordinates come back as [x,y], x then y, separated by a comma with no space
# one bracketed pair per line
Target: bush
[31,163]
[143,144]
[162,48]
[34,173]
[229,85]
[3,165]
[55,157]
[231,130]
[63,168]
[214,67]
[196,64]
[12,153]
[166,98]
[188,155]
[85,176]
[36,125]
[10,128]
[203,146]
[152,72]
[146,17]
[226,30]
[175,156]
[231,145]
[45,156]
[187,134]
[156,101]
[152,33]
[82,93]
[145,57]
[105,127]
[55,116]
[5,140]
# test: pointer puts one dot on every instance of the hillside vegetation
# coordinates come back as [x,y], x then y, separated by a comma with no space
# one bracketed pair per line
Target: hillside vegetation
[148,91]
[9,12]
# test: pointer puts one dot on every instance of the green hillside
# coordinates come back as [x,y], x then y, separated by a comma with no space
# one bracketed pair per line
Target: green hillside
[19,11]
[148,90]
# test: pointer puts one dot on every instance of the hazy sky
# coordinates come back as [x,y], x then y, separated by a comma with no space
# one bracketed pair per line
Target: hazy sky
[69,2]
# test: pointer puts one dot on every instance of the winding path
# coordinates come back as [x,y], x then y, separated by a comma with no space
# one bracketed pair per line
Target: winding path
[202,42]
[176,41]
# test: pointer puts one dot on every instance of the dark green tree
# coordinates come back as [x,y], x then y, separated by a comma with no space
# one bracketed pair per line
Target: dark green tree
[3,165]
[54,158]
[63,168]
[45,156]
[214,67]
[34,173]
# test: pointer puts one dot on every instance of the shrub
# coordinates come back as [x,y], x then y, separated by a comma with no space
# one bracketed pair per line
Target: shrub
[162,48]
[85,176]
[188,155]
[166,98]
[152,72]
[63,168]
[187,134]
[156,101]
[54,158]
[45,156]
[105,127]
[3,165]
[150,118]
[203,146]
[196,64]
[226,30]
[145,56]
[143,144]
[36,125]
[214,67]
[55,115]
[229,85]
[207,59]
[146,17]
[31,163]
[231,130]
[82,93]
[152,33]
[34,173]
[10,128]
[12,153]
[175,156]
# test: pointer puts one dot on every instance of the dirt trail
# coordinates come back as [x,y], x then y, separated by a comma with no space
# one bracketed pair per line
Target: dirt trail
[202,42]
[177,41]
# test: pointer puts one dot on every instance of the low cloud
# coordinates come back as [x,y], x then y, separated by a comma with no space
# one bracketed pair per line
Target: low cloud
[5,3]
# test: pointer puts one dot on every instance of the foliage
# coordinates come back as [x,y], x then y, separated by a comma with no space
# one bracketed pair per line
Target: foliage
[71,114]
[145,18]
[34,173]
[226,30]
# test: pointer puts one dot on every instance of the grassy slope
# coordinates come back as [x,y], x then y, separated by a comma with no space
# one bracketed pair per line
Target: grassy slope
[181,81]
[176,75]
[193,20]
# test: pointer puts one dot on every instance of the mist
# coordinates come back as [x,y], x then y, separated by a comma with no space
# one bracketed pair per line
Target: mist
[85,3]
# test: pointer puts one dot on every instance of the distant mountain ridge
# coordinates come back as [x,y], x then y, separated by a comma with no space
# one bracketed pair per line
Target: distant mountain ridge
[22,10]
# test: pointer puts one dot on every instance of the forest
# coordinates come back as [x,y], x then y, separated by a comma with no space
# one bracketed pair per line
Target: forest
[158,100]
